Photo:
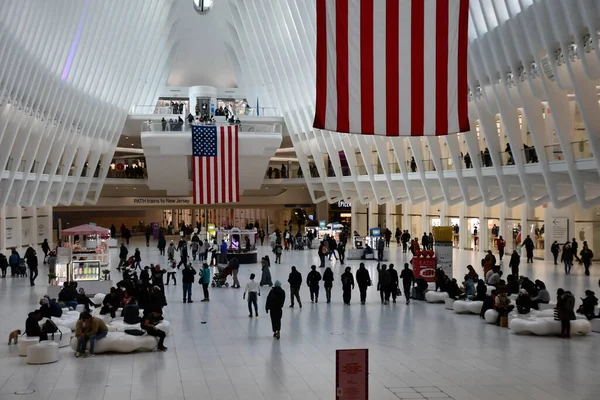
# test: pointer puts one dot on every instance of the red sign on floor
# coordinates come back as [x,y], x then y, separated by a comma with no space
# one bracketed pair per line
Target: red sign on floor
[424,268]
[352,374]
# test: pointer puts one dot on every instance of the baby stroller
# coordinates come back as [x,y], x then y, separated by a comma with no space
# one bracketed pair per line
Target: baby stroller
[22,268]
[220,278]
[299,243]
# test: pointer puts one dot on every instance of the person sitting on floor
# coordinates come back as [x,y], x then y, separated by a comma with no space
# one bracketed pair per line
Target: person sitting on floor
[472,274]
[49,308]
[454,291]
[523,302]
[469,287]
[542,297]
[589,302]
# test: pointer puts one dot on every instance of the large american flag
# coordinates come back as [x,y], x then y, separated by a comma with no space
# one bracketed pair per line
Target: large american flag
[392,67]
[215,169]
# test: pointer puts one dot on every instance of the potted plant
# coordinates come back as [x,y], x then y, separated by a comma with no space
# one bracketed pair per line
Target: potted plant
[106,273]
[52,279]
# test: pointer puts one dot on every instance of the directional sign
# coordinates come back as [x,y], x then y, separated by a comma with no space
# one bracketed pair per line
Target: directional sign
[560,229]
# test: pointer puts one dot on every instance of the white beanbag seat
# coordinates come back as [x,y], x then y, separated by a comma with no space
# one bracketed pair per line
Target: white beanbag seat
[491,316]
[542,326]
[80,308]
[62,337]
[448,303]
[68,319]
[121,326]
[120,342]
[25,342]
[436,297]
[532,313]
[44,352]
[595,325]
[467,307]
[98,298]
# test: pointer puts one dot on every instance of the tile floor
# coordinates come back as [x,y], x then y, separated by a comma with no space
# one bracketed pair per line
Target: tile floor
[417,351]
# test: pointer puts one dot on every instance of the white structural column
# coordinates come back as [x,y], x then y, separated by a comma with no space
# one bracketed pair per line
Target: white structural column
[463,233]
[483,244]
[22,227]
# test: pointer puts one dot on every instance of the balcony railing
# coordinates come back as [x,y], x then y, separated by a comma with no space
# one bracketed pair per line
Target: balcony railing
[159,126]
[142,109]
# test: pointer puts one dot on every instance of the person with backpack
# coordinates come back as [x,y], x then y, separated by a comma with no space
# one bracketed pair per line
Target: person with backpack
[328,283]
[295,281]
[363,279]
[586,257]
[565,307]
[274,307]
[312,281]
[347,285]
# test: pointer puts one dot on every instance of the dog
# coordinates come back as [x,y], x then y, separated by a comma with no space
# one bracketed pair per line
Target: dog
[14,336]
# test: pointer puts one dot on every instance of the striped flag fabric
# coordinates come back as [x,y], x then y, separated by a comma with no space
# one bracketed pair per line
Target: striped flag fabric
[392,67]
[215,166]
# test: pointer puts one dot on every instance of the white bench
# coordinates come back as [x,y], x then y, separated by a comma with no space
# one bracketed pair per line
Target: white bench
[595,324]
[120,342]
[467,307]
[436,297]
[548,306]
[25,342]
[68,319]
[543,326]
[44,352]
[62,337]
[118,325]
[448,303]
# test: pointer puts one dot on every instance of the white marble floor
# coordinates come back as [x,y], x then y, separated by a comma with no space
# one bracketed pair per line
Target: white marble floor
[416,351]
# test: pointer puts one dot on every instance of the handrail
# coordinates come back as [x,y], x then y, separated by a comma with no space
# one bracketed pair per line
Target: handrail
[159,126]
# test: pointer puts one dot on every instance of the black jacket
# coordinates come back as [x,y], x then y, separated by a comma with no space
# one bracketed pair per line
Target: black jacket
[112,301]
[347,280]
[313,278]
[66,294]
[275,299]
[187,275]
[32,326]
[328,278]
[363,278]
[52,309]
[32,261]
[123,251]
[295,279]
[131,314]
[393,277]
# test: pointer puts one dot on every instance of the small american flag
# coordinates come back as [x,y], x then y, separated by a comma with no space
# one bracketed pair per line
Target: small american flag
[215,169]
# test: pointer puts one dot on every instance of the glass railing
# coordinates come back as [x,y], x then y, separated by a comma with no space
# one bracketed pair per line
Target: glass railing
[428,165]
[128,173]
[394,168]
[447,164]
[174,126]
[582,150]
[486,160]
[143,109]
[530,155]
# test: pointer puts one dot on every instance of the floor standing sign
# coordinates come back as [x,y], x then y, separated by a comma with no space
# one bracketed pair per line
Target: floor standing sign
[443,248]
[352,374]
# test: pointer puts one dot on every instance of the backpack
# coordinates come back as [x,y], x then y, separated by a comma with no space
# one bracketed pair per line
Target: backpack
[13,259]
[50,327]
[134,332]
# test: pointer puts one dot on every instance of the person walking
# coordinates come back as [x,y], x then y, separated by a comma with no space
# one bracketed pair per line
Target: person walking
[555,249]
[515,260]
[274,307]
[322,252]
[383,284]
[341,248]
[586,258]
[574,248]
[363,279]
[171,251]
[328,283]
[528,244]
[380,248]
[312,281]
[394,282]
[295,281]
[162,243]
[278,249]
[408,279]
[234,263]
[265,279]
[500,244]
[567,257]
[195,246]
[205,280]
[347,285]
[253,291]
[45,249]
[183,253]
[172,273]
[332,245]
[32,263]
[137,258]
[122,256]
[187,279]
[147,234]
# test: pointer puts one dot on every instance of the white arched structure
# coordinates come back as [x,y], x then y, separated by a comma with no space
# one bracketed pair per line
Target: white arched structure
[534,68]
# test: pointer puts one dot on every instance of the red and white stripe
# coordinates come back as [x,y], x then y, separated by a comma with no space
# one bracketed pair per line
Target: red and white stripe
[215,180]
[392,67]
